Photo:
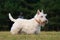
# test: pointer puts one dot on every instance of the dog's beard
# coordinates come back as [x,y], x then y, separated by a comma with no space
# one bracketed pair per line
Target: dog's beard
[43,24]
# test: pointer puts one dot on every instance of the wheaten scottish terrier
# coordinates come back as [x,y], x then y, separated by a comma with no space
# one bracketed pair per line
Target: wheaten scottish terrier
[30,26]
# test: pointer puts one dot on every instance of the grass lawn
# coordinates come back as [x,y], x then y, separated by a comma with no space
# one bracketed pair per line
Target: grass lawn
[42,36]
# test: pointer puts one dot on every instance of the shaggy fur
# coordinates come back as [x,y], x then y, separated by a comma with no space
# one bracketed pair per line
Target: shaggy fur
[30,26]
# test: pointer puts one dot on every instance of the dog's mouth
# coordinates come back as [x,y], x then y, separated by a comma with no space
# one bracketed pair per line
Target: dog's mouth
[45,22]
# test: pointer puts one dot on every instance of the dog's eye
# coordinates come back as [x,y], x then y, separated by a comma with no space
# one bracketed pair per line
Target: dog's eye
[41,16]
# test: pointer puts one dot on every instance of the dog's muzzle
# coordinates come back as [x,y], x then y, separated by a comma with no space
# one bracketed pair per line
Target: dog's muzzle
[43,23]
[46,21]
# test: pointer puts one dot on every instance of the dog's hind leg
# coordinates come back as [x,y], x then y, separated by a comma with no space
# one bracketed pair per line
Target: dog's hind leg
[15,29]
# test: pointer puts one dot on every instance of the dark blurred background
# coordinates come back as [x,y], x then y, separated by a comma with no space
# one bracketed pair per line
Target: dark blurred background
[29,9]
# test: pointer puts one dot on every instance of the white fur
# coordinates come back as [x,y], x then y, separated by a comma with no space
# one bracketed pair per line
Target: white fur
[28,26]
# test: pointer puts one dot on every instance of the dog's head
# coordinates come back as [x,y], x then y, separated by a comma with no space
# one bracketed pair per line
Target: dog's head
[41,17]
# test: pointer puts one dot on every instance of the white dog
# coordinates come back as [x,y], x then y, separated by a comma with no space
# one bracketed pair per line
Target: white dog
[30,26]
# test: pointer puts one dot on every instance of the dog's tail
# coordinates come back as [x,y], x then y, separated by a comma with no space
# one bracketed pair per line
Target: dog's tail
[11,18]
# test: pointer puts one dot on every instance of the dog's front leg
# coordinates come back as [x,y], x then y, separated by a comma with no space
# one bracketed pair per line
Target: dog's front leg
[38,30]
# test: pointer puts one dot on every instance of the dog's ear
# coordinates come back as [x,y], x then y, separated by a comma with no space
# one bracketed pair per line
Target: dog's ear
[38,12]
[42,10]
[45,14]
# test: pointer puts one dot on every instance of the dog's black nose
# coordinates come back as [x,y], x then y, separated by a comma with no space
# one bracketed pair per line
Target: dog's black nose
[46,21]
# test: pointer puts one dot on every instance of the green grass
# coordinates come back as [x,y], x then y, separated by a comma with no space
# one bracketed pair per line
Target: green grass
[41,36]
